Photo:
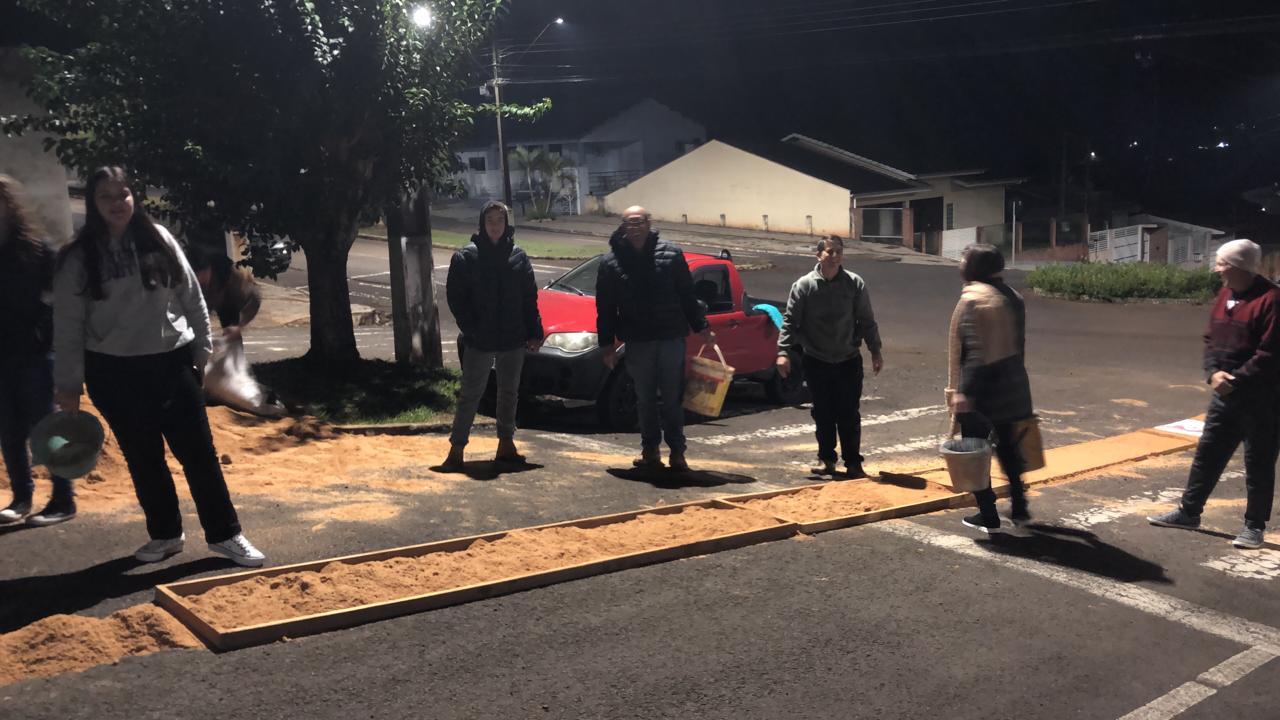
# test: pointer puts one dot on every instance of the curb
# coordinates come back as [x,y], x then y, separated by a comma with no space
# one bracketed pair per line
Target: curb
[432,428]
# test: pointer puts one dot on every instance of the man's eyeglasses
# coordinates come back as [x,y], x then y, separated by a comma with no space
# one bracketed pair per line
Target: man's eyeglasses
[635,221]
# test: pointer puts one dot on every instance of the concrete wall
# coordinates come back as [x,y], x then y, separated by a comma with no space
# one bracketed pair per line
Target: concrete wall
[25,159]
[955,241]
[976,207]
[720,179]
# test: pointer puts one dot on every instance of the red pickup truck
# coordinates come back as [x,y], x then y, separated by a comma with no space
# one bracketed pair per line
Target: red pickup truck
[569,364]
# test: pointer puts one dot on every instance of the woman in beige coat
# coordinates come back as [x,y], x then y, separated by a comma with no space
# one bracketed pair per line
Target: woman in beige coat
[988,389]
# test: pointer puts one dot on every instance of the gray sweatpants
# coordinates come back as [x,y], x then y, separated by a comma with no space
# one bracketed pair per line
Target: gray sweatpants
[475,378]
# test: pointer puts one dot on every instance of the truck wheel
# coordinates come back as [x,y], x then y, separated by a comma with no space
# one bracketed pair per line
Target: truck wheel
[787,391]
[616,406]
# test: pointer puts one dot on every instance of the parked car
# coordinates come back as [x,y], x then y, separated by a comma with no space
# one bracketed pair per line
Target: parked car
[569,363]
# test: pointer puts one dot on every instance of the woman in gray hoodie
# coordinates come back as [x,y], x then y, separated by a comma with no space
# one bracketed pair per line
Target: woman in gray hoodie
[131,325]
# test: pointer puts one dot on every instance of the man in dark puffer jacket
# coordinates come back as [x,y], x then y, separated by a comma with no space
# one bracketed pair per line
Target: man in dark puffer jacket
[494,299]
[644,297]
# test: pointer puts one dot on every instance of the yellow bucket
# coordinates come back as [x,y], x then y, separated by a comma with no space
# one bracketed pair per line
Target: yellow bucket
[707,383]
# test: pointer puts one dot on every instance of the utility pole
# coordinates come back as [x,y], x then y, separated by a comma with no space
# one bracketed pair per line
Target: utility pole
[1013,244]
[497,111]
[1062,186]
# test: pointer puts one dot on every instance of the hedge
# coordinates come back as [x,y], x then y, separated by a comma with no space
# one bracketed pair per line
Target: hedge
[1105,281]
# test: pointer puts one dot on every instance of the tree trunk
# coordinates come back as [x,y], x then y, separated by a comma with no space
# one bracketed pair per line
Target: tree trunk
[333,339]
[424,314]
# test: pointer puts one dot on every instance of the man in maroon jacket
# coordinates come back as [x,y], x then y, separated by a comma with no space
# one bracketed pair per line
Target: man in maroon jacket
[1242,365]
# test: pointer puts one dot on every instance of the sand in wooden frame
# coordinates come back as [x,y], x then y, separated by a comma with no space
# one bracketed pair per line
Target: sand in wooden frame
[841,521]
[172,596]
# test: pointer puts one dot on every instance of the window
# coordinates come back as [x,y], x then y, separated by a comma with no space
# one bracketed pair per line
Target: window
[556,149]
[476,162]
[711,286]
[951,217]
[580,280]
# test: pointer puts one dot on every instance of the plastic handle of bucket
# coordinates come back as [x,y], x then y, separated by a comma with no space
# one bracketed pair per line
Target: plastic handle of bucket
[716,347]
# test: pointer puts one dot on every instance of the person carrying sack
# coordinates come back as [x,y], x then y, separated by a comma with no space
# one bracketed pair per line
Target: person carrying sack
[988,390]
[644,297]
[130,325]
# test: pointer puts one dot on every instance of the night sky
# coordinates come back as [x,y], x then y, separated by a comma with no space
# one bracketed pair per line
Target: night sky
[1150,87]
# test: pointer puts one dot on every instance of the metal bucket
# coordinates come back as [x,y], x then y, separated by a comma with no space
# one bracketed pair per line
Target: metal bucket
[968,463]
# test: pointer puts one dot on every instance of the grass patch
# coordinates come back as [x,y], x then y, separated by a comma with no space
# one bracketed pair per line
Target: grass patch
[1105,281]
[537,249]
[372,391]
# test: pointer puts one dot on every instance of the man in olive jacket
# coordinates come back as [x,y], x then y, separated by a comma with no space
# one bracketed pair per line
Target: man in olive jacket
[644,297]
[828,317]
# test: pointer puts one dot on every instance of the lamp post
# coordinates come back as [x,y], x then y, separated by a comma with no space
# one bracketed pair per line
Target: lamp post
[497,107]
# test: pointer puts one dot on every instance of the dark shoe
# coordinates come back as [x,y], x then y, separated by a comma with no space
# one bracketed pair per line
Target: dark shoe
[1021,518]
[677,462]
[57,511]
[453,463]
[1249,538]
[823,467]
[16,510]
[1176,518]
[507,453]
[649,458]
[853,472]
[977,522]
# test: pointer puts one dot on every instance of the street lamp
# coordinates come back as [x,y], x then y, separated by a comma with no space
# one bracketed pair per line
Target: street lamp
[422,16]
[497,107]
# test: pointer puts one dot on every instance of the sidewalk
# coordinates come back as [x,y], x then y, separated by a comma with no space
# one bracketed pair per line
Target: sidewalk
[740,239]
[286,307]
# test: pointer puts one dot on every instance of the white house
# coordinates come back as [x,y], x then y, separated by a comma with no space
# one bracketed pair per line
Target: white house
[803,185]
[609,145]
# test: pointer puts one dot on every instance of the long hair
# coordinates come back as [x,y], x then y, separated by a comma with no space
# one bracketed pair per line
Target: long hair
[158,262]
[20,229]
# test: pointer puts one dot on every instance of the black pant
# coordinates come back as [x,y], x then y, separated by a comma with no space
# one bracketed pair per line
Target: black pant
[146,400]
[836,389]
[973,425]
[1251,415]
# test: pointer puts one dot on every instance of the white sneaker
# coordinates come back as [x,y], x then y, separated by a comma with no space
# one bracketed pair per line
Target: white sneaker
[240,550]
[157,550]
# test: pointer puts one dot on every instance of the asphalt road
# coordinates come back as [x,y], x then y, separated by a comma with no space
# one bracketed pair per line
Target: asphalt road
[1097,615]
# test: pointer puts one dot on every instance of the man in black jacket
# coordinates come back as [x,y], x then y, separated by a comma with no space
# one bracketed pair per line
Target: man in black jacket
[644,298]
[494,299]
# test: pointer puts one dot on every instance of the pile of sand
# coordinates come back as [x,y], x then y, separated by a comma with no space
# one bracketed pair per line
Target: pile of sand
[344,585]
[71,643]
[298,461]
[839,499]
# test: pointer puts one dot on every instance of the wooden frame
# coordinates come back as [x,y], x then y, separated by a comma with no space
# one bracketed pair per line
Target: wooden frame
[842,521]
[172,596]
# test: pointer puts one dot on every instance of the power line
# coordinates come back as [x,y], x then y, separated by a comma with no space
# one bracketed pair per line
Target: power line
[1169,31]
[683,34]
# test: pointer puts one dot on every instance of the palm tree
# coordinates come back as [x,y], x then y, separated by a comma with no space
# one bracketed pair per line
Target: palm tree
[547,177]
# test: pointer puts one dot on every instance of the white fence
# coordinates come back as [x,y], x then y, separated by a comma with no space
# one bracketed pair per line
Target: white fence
[955,241]
[1120,245]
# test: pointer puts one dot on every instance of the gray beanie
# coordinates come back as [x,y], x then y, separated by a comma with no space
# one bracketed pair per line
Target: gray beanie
[1243,254]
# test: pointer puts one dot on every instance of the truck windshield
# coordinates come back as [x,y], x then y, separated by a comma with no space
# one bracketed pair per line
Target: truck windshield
[580,280]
